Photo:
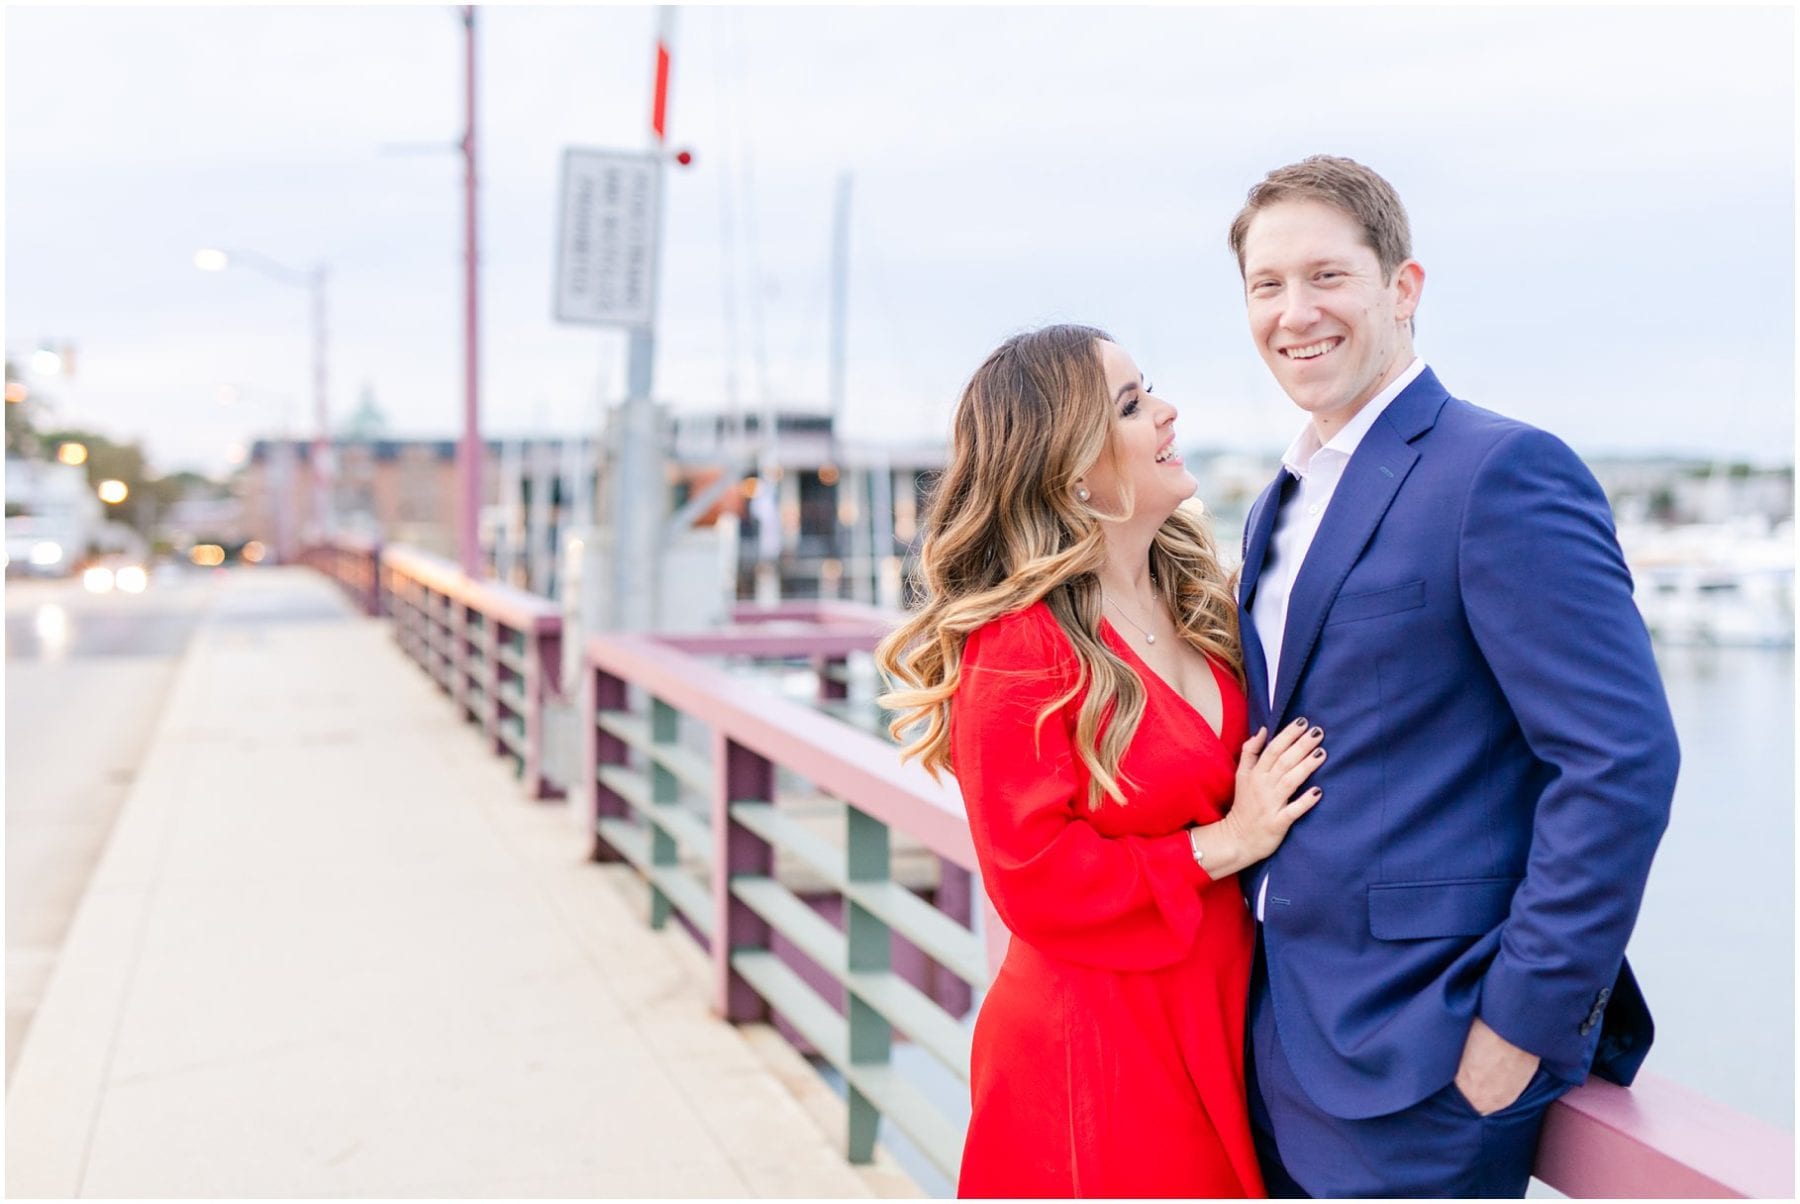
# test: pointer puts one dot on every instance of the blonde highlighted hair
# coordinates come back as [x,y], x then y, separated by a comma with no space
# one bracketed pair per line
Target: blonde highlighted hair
[1004,529]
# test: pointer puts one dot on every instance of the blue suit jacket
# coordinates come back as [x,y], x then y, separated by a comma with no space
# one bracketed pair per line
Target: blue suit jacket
[1501,757]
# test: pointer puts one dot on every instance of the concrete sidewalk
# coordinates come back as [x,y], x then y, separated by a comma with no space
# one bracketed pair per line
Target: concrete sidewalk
[331,951]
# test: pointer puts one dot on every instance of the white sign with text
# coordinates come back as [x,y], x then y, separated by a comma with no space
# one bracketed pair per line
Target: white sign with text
[607,238]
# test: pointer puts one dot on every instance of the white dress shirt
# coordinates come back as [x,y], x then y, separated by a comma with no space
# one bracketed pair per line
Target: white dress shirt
[1318,469]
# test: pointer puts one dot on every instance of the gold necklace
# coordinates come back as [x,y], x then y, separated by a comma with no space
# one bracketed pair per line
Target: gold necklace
[1149,636]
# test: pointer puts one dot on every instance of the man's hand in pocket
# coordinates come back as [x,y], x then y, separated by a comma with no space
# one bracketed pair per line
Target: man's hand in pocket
[1494,1072]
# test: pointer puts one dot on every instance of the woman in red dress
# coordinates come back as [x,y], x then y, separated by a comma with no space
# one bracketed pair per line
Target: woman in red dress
[1099,765]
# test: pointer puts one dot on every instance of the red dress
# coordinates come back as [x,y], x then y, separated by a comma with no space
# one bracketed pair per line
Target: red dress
[1109,1053]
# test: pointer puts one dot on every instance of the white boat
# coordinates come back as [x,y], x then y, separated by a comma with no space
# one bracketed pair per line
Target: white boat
[1715,583]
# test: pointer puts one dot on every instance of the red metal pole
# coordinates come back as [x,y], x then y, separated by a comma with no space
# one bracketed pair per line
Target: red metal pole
[468,452]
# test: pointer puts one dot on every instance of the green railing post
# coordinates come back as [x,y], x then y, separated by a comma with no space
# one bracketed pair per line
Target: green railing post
[665,791]
[490,681]
[449,635]
[428,623]
[869,949]
[475,644]
[546,667]
[422,629]
[441,665]
[459,656]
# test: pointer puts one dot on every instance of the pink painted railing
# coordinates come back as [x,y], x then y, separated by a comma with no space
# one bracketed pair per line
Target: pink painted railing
[1656,1140]
[354,562]
[1660,1140]
[494,649]
[850,963]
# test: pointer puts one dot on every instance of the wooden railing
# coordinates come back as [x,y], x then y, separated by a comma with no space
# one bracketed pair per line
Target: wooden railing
[780,837]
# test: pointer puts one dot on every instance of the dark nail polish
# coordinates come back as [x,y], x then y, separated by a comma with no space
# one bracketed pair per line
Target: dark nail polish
[1318,752]
[1300,723]
[1316,732]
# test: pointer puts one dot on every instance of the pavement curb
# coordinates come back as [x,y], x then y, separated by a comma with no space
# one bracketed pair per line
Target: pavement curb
[54,1096]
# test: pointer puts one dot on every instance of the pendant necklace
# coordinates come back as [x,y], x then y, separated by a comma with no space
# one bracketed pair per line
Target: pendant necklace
[1149,636]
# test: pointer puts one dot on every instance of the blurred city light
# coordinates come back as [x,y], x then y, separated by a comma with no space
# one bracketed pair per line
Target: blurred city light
[46,554]
[72,453]
[132,579]
[113,492]
[253,552]
[16,391]
[46,362]
[51,622]
[97,579]
[236,454]
[207,555]
[211,259]
[828,474]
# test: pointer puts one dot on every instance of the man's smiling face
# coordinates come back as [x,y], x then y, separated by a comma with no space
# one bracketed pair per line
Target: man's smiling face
[1332,329]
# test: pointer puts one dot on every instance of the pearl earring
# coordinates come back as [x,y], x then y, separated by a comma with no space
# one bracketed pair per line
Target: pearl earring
[1081,494]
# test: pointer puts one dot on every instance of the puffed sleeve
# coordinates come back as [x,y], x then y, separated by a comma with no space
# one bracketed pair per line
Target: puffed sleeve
[1121,903]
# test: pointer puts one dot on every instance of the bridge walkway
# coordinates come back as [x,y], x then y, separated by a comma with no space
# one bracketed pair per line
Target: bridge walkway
[330,950]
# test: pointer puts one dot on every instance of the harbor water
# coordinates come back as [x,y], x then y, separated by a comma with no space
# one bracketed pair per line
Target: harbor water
[1714,946]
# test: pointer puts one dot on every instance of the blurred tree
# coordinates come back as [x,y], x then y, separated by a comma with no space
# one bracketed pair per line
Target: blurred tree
[187,483]
[21,432]
[149,497]
[110,461]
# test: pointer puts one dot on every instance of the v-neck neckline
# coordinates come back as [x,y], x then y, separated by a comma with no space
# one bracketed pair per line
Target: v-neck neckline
[1144,666]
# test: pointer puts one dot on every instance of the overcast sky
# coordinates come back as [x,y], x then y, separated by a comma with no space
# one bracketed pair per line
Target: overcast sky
[1603,199]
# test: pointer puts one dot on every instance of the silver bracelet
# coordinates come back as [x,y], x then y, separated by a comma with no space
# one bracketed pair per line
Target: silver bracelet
[1194,845]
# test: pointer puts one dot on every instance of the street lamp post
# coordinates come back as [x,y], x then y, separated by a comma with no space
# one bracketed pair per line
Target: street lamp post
[212,259]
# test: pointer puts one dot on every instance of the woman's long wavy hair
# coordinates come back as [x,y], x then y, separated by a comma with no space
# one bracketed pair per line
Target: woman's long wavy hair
[1004,528]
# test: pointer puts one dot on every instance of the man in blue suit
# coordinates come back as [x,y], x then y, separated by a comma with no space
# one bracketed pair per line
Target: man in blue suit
[1440,589]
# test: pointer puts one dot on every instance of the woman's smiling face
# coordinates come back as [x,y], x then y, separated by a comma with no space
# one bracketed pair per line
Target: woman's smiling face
[1141,456]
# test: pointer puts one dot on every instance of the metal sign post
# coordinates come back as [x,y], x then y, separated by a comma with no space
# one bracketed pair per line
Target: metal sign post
[608,249]
[606,274]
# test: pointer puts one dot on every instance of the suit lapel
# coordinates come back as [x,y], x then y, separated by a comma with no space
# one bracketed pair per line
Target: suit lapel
[1258,526]
[1371,480]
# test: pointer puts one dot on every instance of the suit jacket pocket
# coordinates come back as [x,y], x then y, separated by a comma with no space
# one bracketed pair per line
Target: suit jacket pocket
[1412,911]
[1408,595]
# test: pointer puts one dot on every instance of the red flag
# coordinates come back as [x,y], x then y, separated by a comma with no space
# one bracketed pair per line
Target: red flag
[659,109]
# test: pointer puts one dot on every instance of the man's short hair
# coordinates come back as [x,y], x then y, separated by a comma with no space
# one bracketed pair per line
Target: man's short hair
[1343,184]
